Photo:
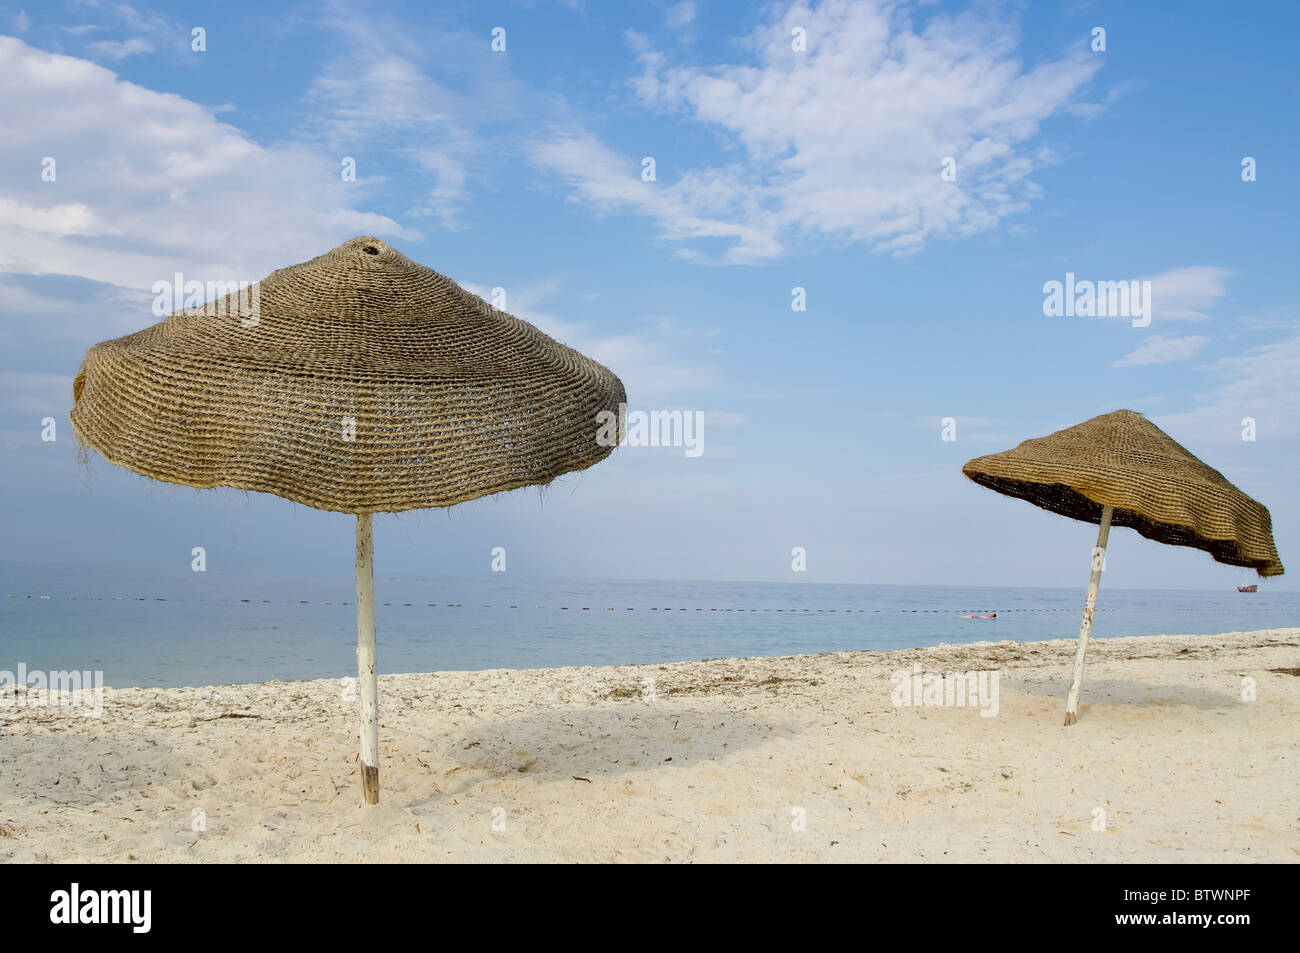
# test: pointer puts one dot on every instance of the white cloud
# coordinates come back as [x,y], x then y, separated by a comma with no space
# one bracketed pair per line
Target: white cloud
[1186,294]
[145,32]
[844,141]
[21,21]
[1261,384]
[120,50]
[1159,349]
[651,363]
[377,98]
[600,176]
[680,15]
[1180,294]
[150,183]
[60,220]
[1117,92]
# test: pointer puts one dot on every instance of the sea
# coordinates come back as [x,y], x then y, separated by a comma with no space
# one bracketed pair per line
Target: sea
[174,629]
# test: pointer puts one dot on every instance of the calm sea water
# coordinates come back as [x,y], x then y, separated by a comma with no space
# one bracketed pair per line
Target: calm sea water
[176,629]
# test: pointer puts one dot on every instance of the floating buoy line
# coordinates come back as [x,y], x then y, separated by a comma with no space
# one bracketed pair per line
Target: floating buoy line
[458,605]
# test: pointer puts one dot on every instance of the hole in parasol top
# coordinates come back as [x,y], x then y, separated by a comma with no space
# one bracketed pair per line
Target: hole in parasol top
[371,250]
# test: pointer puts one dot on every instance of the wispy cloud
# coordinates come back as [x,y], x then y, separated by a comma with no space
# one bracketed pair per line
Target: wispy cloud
[1113,95]
[380,96]
[1261,384]
[144,31]
[164,186]
[843,141]
[121,49]
[680,15]
[1159,349]
[1187,294]
[72,218]
[655,362]
[684,210]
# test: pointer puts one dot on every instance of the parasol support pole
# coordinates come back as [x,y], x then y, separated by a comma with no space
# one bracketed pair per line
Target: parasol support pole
[1089,607]
[368,689]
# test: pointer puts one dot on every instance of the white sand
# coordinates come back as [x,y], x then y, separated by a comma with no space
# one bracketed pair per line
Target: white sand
[581,767]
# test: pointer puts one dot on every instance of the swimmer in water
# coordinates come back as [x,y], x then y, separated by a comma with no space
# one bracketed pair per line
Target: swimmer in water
[992,615]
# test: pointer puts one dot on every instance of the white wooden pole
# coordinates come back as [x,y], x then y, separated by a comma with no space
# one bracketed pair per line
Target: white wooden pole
[1089,607]
[369,689]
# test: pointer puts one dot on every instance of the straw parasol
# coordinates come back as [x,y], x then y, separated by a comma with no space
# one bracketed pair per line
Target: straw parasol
[358,382]
[1119,469]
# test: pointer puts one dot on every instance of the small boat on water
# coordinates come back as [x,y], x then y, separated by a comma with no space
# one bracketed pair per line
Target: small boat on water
[1250,588]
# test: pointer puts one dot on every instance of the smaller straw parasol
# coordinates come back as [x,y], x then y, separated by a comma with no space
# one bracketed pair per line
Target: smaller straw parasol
[1120,469]
[359,382]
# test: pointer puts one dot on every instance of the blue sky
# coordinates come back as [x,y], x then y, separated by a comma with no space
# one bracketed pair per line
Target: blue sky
[775,169]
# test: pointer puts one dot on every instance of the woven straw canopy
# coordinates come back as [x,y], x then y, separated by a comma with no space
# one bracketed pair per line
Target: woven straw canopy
[1156,486]
[361,383]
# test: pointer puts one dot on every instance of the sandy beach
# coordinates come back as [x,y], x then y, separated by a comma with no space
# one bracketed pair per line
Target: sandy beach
[803,758]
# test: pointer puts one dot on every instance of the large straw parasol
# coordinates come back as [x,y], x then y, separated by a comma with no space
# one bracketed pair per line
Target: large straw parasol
[358,382]
[1120,469]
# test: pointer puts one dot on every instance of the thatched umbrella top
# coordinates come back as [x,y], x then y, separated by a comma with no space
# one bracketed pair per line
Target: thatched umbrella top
[1155,485]
[362,382]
